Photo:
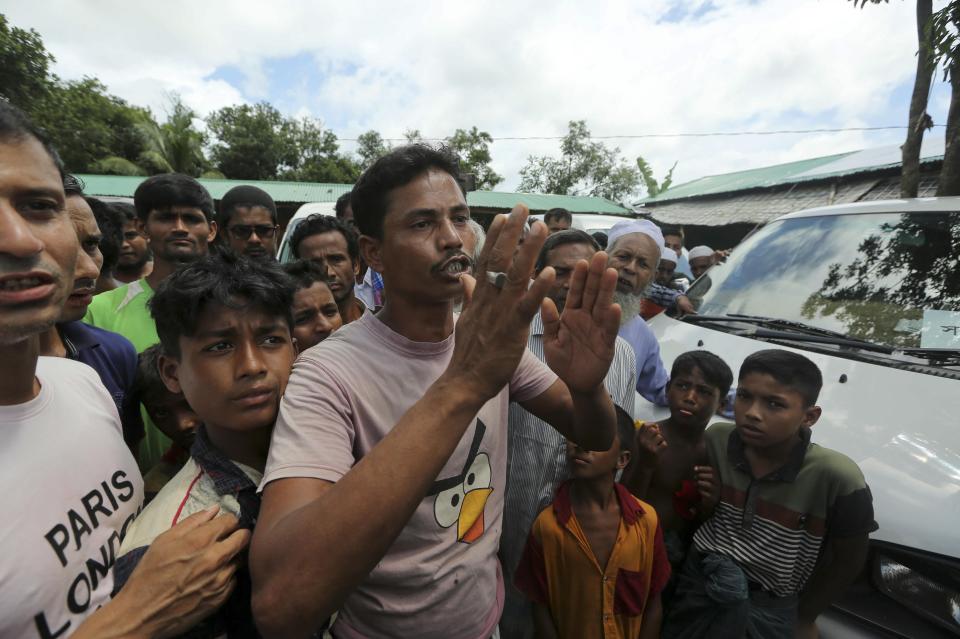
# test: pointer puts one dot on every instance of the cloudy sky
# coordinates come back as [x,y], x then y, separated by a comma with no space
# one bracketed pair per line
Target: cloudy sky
[519,69]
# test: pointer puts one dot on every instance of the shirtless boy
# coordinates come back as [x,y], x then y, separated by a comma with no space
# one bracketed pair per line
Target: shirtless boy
[671,471]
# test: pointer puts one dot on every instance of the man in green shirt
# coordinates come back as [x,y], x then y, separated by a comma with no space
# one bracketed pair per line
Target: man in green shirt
[175,213]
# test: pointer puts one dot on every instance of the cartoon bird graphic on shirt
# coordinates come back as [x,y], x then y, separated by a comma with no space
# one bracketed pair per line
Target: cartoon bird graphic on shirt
[461,499]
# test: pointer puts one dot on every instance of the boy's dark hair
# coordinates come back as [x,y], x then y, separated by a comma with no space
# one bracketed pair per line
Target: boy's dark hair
[110,222]
[15,126]
[245,195]
[129,213]
[223,278]
[570,236]
[342,203]
[315,225]
[395,169]
[305,274]
[558,214]
[148,386]
[601,239]
[714,370]
[668,229]
[626,431]
[161,192]
[789,369]
[72,185]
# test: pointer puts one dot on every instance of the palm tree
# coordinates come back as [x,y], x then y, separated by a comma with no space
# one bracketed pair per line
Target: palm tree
[172,147]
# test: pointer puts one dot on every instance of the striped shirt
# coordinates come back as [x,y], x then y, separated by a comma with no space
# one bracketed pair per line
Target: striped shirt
[774,526]
[537,459]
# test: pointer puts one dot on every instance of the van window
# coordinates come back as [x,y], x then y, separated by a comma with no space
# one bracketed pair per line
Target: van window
[286,253]
[888,278]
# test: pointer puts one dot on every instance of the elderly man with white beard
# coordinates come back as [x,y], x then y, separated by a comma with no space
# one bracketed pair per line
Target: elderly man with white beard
[634,251]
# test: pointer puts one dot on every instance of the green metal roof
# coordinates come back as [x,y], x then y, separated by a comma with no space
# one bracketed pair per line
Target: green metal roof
[743,180]
[874,159]
[124,186]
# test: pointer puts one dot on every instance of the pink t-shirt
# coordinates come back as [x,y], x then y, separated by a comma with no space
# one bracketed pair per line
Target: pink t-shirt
[441,577]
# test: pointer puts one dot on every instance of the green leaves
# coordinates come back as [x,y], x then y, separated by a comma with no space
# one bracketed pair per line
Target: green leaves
[654,188]
[585,167]
[24,65]
[370,148]
[473,149]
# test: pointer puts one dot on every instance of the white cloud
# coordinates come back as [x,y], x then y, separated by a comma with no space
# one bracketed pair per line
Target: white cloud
[516,68]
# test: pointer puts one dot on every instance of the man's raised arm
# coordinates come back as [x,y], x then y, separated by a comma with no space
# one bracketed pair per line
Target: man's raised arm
[315,541]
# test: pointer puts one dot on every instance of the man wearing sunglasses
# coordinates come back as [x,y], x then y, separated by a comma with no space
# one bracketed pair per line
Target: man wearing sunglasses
[248,217]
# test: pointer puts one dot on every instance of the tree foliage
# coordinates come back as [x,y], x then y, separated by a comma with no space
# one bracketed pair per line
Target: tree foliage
[176,146]
[370,148]
[473,148]
[258,143]
[251,142]
[24,65]
[585,167]
[654,188]
[945,37]
[316,155]
[87,124]
[83,121]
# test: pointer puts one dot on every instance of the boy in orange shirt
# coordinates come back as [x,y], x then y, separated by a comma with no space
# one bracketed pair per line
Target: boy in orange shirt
[595,563]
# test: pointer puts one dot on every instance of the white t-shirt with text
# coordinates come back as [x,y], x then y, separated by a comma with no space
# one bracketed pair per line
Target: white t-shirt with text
[70,489]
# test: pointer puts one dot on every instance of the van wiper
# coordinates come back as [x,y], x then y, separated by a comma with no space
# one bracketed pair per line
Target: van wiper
[942,355]
[789,330]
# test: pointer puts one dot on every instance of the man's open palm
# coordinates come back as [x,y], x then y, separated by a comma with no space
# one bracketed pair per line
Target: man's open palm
[579,344]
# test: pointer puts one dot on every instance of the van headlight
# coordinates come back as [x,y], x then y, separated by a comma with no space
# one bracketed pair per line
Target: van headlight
[932,591]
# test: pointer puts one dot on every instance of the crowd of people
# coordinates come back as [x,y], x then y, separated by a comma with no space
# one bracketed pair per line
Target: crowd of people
[417,428]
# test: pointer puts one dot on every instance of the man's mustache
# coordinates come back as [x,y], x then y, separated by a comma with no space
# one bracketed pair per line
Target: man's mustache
[84,284]
[450,254]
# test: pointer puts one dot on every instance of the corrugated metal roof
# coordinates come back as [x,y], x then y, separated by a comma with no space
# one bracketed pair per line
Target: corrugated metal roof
[544,202]
[762,206]
[124,186]
[830,166]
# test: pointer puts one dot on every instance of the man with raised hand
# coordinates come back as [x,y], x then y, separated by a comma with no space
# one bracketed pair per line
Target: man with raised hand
[383,493]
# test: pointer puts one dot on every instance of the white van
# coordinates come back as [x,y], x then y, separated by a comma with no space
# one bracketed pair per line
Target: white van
[871,293]
[284,254]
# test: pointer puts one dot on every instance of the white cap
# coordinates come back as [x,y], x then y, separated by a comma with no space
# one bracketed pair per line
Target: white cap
[646,227]
[700,251]
[668,254]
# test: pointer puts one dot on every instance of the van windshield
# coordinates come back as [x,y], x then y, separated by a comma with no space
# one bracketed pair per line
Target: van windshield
[888,278]
[286,253]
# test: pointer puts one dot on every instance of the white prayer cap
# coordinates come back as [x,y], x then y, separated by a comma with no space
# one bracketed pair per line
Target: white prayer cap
[668,254]
[700,251]
[646,227]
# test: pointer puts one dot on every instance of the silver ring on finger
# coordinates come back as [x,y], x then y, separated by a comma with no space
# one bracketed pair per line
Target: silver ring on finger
[497,278]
